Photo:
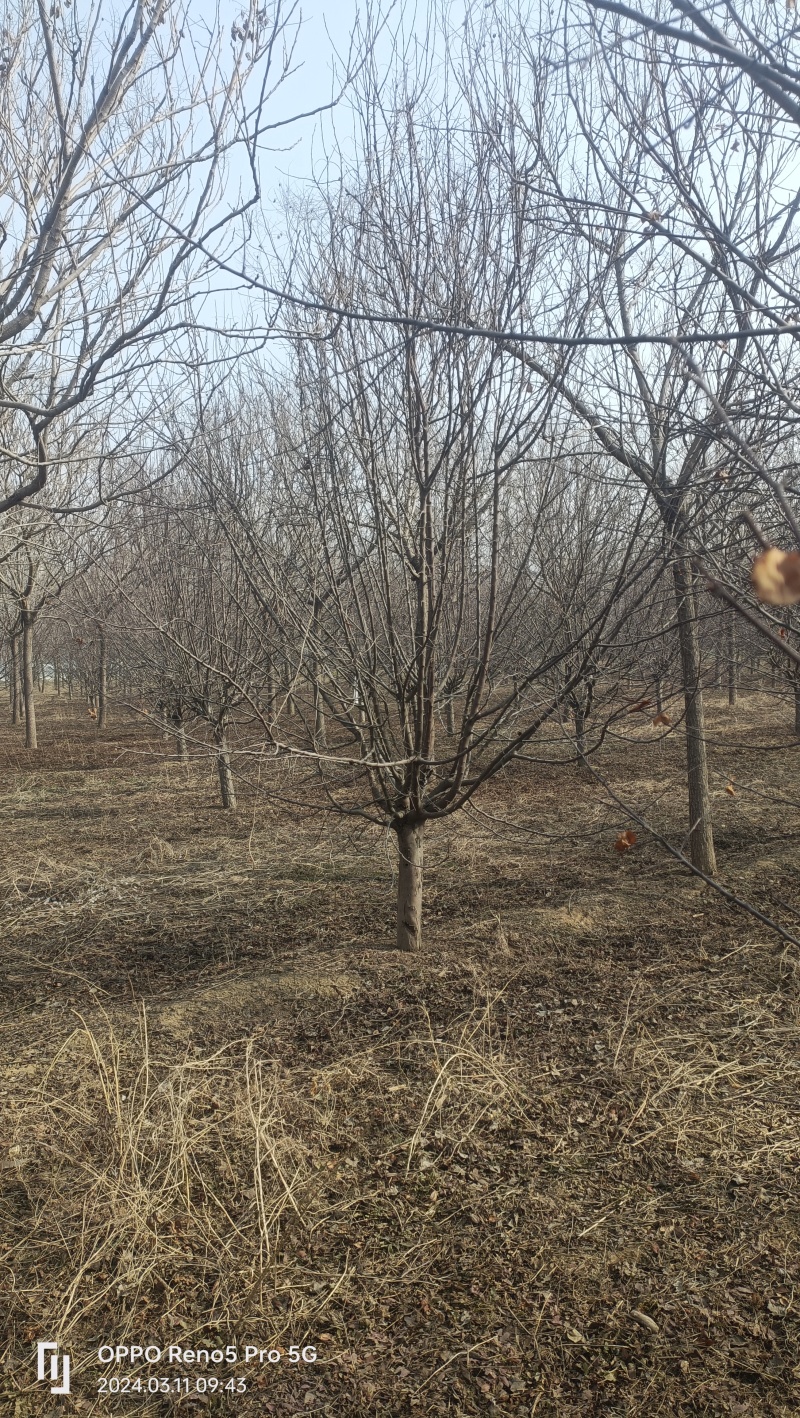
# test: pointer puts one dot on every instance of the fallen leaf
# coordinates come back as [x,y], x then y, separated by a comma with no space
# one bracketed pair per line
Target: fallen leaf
[573,1335]
[625,841]
[730,789]
[661,719]
[645,1321]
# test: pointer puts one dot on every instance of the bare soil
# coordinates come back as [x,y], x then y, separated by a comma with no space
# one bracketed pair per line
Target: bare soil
[548,1166]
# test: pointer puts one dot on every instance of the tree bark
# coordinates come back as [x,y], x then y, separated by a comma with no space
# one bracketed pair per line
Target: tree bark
[409,885]
[701,838]
[797,708]
[659,695]
[182,745]
[450,717]
[226,784]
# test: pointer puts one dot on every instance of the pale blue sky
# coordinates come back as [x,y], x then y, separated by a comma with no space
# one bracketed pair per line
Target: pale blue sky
[327,25]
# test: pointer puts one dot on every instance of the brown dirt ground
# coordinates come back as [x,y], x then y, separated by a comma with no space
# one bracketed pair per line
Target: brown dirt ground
[548,1167]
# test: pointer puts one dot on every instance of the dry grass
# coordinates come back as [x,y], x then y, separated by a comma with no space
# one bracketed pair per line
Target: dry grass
[546,1168]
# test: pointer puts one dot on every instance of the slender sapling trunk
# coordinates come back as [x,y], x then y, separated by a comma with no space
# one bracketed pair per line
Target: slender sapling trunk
[28,695]
[226,784]
[580,735]
[16,697]
[731,639]
[102,682]
[701,830]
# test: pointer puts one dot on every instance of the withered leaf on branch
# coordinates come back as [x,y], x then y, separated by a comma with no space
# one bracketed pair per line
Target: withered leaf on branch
[775,577]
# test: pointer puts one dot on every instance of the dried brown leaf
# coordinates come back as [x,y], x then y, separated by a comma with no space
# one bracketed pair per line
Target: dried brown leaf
[775,577]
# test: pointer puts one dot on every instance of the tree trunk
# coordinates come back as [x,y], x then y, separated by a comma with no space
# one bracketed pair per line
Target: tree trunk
[320,737]
[16,697]
[450,717]
[797,708]
[57,676]
[659,695]
[226,784]
[182,745]
[701,830]
[358,706]
[102,682]
[272,692]
[409,886]
[731,647]
[580,735]
[28,699]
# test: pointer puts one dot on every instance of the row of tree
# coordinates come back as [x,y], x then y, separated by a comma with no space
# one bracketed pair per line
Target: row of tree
[529,420]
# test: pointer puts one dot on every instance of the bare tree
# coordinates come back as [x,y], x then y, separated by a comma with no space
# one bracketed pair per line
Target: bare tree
[387,514]
[40,555]
[715,180]
[115,130]
[187,614]
[577,135]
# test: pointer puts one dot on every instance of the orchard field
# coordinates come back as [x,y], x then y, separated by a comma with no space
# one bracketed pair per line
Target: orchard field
[399,708]
[547,1165]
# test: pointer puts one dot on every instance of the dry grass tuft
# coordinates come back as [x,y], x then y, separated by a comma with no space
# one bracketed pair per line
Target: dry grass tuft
[474,1079]
[156,1181]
